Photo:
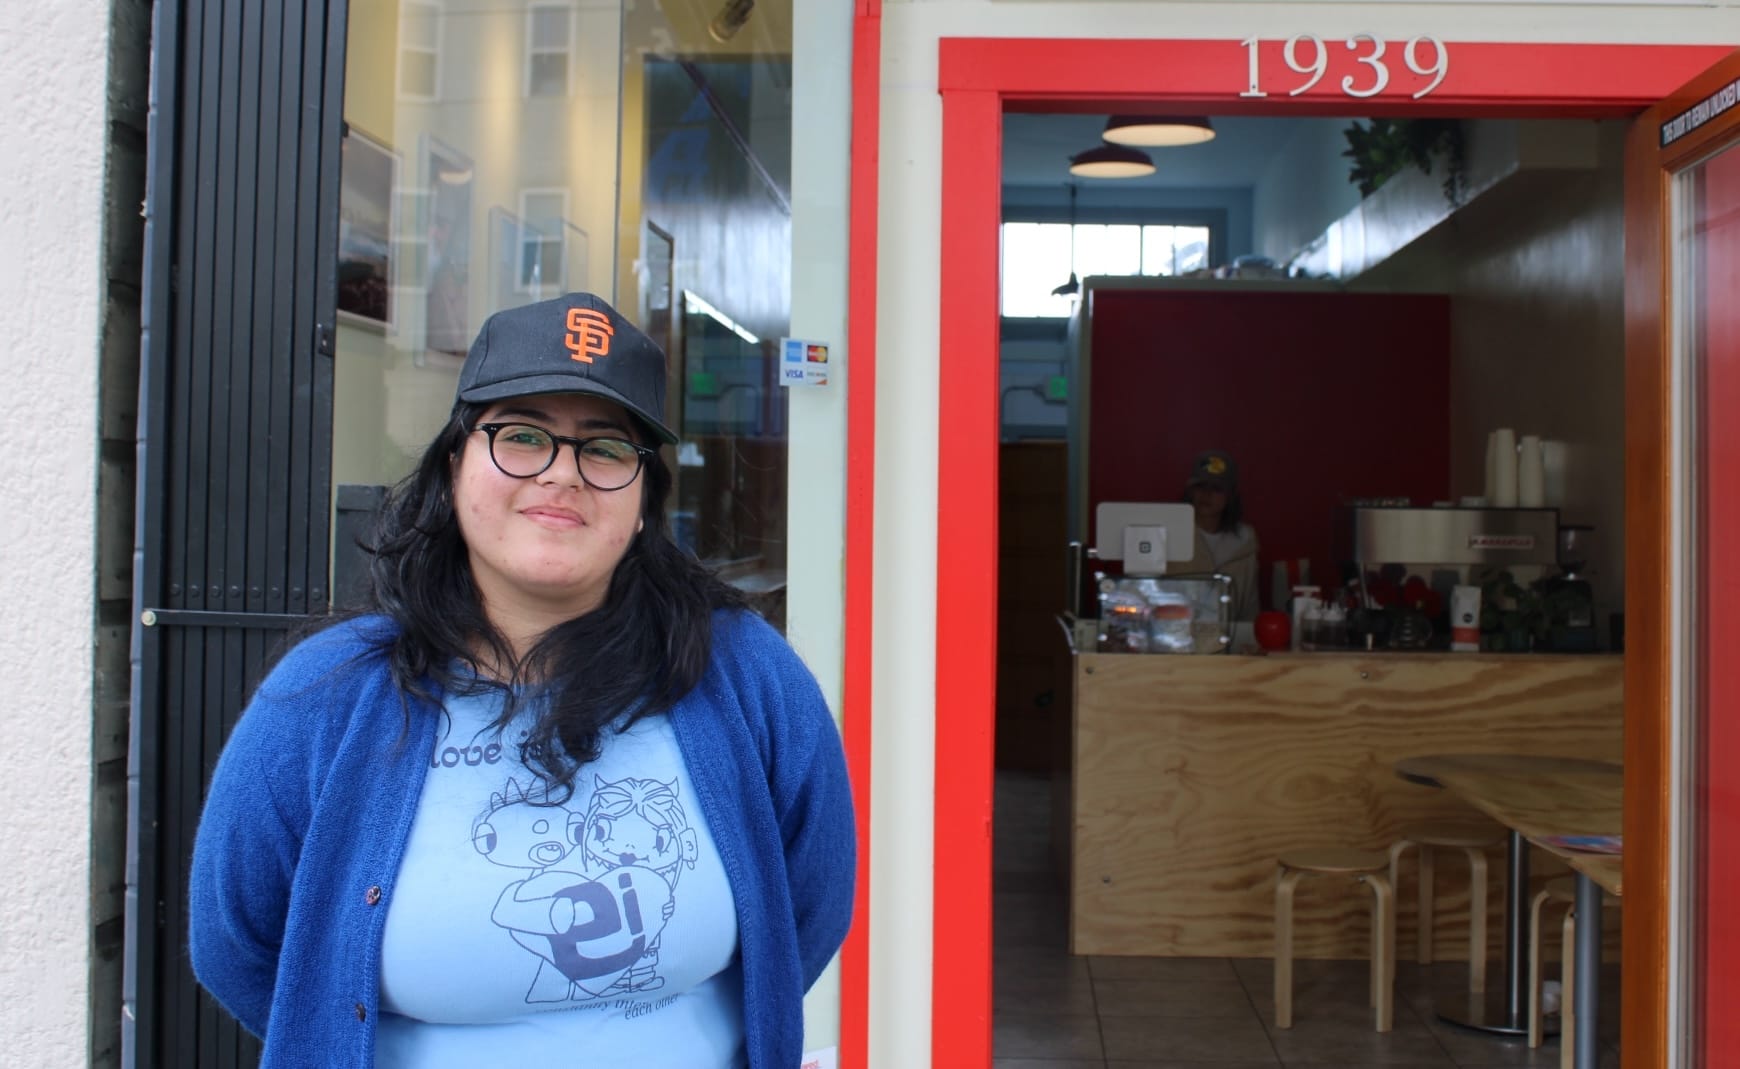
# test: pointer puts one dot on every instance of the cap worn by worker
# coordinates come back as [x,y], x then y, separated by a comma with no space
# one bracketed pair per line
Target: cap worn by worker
[572,344]
[1215,468]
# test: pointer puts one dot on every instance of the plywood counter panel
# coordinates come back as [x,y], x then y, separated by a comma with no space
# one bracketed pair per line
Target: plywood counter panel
[1191,774]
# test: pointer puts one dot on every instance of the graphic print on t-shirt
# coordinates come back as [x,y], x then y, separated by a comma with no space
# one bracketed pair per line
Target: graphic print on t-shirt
[602,883]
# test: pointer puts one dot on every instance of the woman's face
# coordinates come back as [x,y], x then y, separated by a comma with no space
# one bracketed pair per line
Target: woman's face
[1209,502]
[547,545]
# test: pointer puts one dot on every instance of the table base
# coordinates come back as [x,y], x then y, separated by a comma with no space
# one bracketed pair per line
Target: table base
[1489,1013]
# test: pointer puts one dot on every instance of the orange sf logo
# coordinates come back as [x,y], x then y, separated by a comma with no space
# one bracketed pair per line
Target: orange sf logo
[589,334]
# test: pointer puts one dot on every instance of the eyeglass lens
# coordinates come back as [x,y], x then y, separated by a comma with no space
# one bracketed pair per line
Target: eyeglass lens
[522,450]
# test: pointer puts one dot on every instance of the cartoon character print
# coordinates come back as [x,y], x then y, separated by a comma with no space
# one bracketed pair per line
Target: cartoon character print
[588,924]
[639,824]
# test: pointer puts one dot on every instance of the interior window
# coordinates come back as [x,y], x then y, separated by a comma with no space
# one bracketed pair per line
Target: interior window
[1039,257]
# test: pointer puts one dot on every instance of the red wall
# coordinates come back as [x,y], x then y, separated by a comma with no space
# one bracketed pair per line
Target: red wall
[1318,397]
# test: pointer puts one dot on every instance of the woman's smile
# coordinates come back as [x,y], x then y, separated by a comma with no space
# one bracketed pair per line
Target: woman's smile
[554,517]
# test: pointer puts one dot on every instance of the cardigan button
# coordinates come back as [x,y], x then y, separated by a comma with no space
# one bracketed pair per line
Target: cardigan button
[362,1014]
[373,895]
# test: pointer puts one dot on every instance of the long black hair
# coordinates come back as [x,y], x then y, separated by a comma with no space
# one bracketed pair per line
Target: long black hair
[635,655]
[1231,516]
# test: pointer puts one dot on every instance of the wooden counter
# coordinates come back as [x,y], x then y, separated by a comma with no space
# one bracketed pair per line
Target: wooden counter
[1191,774]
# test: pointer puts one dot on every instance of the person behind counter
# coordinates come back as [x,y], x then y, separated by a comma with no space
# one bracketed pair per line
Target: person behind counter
[1225,544]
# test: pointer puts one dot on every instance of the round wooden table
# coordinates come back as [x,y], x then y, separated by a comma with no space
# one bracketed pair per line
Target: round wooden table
[1506,1012]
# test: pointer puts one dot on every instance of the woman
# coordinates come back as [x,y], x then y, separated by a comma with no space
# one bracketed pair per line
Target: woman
[1225,544]
[560,799]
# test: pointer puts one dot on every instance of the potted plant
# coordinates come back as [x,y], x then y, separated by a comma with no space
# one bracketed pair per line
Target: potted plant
[1379,148]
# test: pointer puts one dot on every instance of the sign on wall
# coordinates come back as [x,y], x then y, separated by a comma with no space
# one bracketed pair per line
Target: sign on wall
[1361,65]
[802,363]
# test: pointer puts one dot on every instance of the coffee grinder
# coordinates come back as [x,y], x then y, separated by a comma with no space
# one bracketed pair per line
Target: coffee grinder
[1567,598]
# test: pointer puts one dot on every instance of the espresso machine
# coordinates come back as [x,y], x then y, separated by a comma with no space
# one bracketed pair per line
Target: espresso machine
[1442,547]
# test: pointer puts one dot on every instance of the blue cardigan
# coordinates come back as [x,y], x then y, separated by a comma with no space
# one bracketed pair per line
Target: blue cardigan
[313,799]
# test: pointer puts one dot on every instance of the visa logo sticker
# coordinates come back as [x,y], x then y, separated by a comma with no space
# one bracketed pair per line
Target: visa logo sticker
[803,363]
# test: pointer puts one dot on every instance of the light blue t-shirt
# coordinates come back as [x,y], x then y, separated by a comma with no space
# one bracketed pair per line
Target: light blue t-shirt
[596,932]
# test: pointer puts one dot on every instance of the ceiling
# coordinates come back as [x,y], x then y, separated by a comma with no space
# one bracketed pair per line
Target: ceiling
[1036,151]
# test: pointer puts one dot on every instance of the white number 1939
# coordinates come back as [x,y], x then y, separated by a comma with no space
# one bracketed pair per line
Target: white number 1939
[1368,83]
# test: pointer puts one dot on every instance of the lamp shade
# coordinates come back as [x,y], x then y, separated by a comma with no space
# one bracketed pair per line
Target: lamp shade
[1111,161]
[1158,130]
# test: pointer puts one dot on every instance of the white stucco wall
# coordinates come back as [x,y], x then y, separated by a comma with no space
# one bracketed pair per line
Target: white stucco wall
[52,144]
[904,670]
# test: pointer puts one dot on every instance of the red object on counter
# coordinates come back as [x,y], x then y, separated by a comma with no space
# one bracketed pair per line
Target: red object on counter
[1274,630]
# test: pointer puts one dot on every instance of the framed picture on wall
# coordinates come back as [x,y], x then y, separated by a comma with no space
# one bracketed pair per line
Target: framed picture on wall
[447,269]
[368,172]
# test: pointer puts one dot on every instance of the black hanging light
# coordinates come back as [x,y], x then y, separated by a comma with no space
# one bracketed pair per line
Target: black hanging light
[1158,130]
[1111,161]
[1073,286]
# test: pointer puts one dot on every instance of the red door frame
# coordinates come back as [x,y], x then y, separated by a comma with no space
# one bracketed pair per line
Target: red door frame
[979,79]
[856,691]
[1651,436]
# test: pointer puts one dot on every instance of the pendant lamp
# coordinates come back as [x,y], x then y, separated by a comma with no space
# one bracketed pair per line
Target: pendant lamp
[1159,130]
[1111,161]
[1073,286]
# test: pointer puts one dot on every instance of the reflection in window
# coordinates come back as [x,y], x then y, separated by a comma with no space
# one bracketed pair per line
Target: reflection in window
[419,51]
[503,133]
[548,34]
[718,178]
[732,459]
[542,215]
[1037,257]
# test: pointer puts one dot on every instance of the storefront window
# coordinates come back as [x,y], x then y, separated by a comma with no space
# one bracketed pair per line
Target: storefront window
[502,153]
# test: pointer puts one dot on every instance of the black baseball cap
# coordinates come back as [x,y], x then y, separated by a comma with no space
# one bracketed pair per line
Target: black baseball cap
[1214,468]
[572,344]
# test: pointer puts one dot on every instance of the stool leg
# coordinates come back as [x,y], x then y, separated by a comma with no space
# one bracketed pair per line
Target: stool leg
[1397,849]
[1535,1023]
[1477,920]
[1374,977]
[1383,949]
[1428,882]
[1568,986]
[1284,885]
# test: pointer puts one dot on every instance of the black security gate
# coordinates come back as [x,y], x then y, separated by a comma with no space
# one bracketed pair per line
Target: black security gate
[236,439]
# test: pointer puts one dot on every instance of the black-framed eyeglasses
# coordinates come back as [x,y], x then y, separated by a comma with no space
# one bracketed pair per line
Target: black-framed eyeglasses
[525,451]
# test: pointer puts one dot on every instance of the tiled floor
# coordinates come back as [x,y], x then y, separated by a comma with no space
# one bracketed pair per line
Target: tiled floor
[1055,1011]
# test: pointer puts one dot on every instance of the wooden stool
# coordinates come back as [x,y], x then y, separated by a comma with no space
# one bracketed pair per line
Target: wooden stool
[1562,891]
[1473,840]
[1370,867]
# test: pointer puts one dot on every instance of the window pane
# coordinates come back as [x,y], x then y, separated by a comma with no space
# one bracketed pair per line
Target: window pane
[543,211]
[1174,250]
[550,28]
[1108,250]
[549,74]
[417,73]
[417,27]
[1036,260]
[1157,258]
[1192,245]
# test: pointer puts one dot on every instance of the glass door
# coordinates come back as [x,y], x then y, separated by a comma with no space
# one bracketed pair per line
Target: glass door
[1683,498]
[1706,277]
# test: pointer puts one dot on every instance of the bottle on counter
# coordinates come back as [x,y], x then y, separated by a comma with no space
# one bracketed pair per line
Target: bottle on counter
[1306,603]
[1333,635]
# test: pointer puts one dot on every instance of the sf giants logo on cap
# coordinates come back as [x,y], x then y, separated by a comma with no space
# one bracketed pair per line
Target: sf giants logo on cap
[589,334]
